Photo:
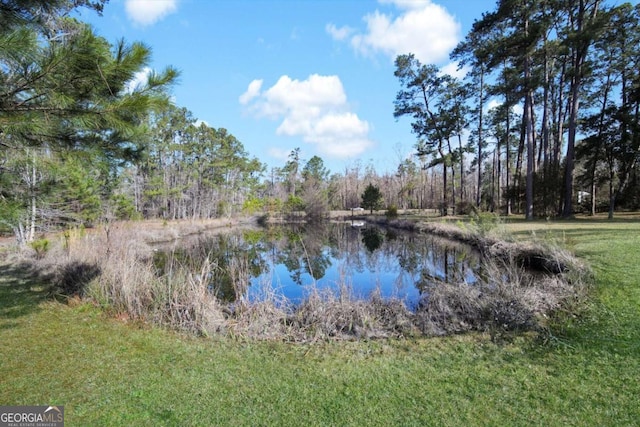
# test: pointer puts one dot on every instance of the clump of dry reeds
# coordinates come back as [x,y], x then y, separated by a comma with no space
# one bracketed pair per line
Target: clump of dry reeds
[325,314]
[182,300]
[507,298]
[114,268]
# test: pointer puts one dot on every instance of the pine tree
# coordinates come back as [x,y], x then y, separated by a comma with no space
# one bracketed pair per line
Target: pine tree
[371,198]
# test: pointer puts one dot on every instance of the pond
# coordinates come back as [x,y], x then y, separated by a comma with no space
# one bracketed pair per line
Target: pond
[288,262]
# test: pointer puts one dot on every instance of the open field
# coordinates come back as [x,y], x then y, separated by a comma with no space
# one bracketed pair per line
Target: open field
[108,371]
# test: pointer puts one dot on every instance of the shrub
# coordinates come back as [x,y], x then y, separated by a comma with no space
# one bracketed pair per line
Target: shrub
[252,205]
[41,246]
[484,222]
[124,207]
[392,212]
[294,203]
[466,208]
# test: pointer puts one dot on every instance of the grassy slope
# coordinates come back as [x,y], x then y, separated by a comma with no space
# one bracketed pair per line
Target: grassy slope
[107,372]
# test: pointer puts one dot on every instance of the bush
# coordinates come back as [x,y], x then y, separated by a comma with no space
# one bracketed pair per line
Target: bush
[392,212]
[41,246]
[124,207]
[466,208]
[294,203]
[484,222]
[252,205]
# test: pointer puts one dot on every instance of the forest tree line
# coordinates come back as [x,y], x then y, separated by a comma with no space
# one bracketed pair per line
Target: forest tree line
[545,123]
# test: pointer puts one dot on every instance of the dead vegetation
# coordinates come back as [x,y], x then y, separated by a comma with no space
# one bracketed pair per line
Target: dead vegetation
[114,268]
[530,255]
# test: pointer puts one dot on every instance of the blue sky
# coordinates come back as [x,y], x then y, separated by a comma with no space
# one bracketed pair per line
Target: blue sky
[317,75]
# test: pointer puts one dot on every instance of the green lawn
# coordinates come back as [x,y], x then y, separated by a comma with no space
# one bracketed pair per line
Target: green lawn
[109,372]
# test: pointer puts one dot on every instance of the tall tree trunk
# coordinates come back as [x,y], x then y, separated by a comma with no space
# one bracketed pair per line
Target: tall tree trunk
[593,197]
[33,185]
[547,177]
[444,209]
[462,193]
[560,119]
[530,158]
[499,173]
[480,125]
[493,182]
[508,159]
[528,123]
[579,57]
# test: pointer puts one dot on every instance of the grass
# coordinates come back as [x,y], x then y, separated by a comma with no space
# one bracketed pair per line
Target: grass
[107,371]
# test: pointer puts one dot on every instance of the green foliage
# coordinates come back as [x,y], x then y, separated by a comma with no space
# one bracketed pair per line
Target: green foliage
[124,207]
[69,116]
[392,212]
[190,169]
[224,208]
[484,222]
[77,187]
[315,170]
[253,205]
[371,198]
[41,246]
[372,238]
[273,205]
[436,103]
[98,110]
[294,204]
[466,208]
[10,210]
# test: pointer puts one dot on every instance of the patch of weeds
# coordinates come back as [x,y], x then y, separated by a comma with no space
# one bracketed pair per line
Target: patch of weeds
[392,212]
[41,246]
[484,222]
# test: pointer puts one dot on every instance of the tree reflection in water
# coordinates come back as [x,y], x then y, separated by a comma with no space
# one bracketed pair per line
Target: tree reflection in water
[290,259]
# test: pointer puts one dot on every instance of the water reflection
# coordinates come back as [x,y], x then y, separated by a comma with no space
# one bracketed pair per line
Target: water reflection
[289,260]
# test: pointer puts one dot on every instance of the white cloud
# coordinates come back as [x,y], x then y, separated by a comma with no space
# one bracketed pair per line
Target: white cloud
[252,91]
[406,4]
[338,33]
[315,109]
[423,28]
[495,103]
[139,80]
[279,153]
[452,70]
[147,12]
[518,109]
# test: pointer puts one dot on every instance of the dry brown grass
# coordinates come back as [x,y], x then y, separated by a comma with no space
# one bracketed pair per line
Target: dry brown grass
[507,299]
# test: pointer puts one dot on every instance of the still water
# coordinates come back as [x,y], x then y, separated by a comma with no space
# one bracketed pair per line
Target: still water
[289,261]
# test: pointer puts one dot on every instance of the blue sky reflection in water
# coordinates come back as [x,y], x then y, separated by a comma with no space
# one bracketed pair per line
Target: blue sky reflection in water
[400,264]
